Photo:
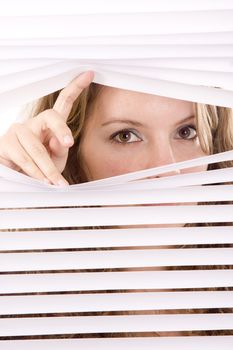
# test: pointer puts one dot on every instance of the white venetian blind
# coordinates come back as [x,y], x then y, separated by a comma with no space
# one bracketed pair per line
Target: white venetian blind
[174,48]
[75,263]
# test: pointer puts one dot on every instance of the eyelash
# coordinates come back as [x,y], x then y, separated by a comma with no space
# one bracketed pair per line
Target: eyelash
[132,131]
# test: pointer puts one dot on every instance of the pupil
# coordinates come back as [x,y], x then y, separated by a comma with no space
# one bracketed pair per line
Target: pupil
[125,136]
[185,132]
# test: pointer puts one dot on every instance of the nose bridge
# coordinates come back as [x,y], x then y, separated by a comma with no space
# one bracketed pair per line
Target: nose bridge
[162,153]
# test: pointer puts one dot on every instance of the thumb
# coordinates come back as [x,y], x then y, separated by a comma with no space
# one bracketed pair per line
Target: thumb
[58,153]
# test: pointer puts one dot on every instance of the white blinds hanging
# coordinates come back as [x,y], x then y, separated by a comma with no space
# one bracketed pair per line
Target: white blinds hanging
[61,277]
[45,45]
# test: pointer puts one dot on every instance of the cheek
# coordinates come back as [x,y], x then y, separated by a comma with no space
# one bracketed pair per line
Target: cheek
[110,167]
[187,150]
[101,162]
[192,153]
[102,165]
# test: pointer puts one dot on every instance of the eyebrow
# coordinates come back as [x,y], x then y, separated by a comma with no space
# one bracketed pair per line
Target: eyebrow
[125,121]
[185,119]
[137,123]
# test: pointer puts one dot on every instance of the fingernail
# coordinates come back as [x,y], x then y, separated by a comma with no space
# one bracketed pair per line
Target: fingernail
[68,140]
[62,183]
[91,74]
[85,79]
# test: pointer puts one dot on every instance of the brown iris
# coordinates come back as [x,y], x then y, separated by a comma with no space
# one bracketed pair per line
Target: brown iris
[124,136]
[187,132]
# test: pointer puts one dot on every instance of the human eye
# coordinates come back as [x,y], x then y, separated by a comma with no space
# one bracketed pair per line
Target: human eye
[125,136]
[186,132]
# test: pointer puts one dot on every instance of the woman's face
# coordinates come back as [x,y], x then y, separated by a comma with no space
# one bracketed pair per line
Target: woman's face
[129,131]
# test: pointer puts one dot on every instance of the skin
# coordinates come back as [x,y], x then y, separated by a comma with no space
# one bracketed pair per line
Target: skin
[126,131]
[144,131]
[39,147]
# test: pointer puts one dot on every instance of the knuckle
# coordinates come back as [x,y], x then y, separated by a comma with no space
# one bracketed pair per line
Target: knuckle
[38,151]
[60,126]
[67,98]
[15,127]
[40,119]
[44,114]
[64,129]
[31,169]
[25,162]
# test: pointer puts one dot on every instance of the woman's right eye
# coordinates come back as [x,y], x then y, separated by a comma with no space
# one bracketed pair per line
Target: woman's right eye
[125,136]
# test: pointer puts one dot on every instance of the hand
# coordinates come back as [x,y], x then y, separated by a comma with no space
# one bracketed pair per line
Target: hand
[39,147]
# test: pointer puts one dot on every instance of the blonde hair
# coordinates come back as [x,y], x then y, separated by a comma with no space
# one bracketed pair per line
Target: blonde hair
[215,130]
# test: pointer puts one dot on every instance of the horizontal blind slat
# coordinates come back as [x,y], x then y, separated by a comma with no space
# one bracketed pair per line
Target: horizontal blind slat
[153,23]
[100,52]
[105,324]
[139,343]
[64,239]
[29,283]
[26,8]
[220,38]
[33,304]
[84,217]
[117,197]
[15,183]
[13,262]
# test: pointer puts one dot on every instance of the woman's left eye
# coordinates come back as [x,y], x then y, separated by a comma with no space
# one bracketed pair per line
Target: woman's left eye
[125,136]
[187,132]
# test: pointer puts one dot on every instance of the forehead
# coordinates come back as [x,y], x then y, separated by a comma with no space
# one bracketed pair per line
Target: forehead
[117,101]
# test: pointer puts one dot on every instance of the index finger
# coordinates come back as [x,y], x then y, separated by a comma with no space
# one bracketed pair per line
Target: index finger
[68,95]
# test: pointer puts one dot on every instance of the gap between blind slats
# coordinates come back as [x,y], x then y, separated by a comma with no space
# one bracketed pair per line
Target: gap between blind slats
[109,216]
[65,239]
[139,343]
[105,324]
[13,262]
[29,283]
[18,305]
[138,175]
[10,174]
